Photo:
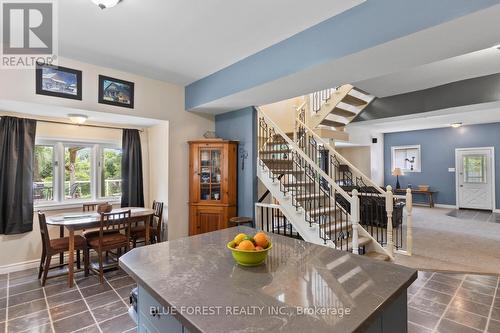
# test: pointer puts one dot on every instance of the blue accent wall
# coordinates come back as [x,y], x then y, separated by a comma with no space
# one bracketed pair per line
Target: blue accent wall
[241,125]
[438,154]
[371,23]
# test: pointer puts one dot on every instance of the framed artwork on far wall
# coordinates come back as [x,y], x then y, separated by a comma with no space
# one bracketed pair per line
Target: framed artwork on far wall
[116,92]
[58,81]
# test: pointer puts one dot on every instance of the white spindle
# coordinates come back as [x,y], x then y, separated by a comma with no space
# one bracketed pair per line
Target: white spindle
[409,222]
[389,207]
[355,221]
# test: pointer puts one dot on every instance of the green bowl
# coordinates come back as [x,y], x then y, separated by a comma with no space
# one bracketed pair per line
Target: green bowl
[249,258]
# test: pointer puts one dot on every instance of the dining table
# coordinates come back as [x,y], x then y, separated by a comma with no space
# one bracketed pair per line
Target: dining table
[89,220]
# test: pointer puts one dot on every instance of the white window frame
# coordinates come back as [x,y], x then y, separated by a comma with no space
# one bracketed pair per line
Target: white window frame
[59,202]
[100,153]
[418,163]
[54,175]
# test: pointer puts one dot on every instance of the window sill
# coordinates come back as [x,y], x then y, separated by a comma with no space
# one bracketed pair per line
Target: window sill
[70,205]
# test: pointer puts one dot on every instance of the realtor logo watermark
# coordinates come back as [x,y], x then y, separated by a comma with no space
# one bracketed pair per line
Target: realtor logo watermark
[29,33]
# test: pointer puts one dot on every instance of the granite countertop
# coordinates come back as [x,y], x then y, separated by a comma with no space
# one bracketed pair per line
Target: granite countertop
[302,287]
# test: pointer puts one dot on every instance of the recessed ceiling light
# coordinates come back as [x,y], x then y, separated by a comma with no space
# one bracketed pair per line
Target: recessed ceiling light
[77,118]
[103,4]
[456,125]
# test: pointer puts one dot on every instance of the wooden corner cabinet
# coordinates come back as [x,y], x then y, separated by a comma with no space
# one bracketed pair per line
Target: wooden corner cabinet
[212,184]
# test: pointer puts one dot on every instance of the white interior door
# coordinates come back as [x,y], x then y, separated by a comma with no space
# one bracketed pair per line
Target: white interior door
[475,178]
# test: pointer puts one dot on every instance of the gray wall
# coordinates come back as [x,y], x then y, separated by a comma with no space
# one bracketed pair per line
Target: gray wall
[240,125]
[478,90]
[438,154]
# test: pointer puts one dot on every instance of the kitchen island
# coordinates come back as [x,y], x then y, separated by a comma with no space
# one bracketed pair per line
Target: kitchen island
[193,285]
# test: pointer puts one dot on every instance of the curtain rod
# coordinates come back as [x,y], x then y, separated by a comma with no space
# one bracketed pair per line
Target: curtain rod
[87,125]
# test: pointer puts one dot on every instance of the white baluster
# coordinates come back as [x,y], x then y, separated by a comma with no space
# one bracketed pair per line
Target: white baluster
[389,207]
[409,222]
[355,221]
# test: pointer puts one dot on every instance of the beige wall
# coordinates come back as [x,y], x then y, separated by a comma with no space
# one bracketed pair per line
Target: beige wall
[153,99]
[283,112]
[360,157]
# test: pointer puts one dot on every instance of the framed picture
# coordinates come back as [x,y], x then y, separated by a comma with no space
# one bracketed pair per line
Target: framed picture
[59,81]
[116,92]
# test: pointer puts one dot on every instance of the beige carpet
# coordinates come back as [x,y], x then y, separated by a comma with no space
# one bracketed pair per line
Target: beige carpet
[446,243]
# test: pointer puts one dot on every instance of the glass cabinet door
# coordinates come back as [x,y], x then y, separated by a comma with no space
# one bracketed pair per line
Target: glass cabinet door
[210,174]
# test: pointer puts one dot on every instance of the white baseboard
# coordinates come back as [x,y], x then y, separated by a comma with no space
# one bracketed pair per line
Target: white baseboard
[19,266]
[445,206]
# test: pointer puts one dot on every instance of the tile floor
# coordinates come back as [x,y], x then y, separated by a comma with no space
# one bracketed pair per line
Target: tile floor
[454,303]
[89,307]
[437,302]
[475,215]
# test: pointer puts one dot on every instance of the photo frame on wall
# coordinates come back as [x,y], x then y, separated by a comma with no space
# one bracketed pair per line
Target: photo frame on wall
[58,81]
[116,92]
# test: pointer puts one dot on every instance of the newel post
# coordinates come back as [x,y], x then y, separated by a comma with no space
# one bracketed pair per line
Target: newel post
[355,221]
[389,207]
[409,222]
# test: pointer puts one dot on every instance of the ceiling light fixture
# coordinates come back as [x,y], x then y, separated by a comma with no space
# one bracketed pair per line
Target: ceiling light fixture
[456,125]
[103,4]
[77,119]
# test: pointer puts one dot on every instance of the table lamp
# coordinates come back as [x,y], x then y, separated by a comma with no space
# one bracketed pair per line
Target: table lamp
[397,172]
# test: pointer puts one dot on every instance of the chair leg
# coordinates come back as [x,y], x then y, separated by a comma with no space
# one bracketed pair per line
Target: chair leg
[134,242]
[101,268]
[46,269]
[42,260]
[86,261]
[78,259]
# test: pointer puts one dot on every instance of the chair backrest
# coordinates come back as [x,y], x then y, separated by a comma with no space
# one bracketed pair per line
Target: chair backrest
[87,207]
[158,208]
[44,233]
[118,221]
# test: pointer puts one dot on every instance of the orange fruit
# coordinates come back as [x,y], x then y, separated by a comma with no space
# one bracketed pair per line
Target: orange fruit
[261,239]
[246,245]
[239,238]
[259,248]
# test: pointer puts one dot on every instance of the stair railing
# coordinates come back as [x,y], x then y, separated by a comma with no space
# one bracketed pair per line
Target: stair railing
[318,98]
[344,173]
[308,186]
[270,218]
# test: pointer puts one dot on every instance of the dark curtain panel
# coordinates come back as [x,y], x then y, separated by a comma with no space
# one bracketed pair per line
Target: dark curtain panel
[132,187]
[17,144]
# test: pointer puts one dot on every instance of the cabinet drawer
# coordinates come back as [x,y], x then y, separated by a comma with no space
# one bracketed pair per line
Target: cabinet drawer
[155,324]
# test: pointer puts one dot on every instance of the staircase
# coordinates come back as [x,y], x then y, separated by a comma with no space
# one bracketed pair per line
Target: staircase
[332,109]
[321,197]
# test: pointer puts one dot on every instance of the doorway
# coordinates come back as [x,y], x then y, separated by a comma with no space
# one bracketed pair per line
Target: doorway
[475,178]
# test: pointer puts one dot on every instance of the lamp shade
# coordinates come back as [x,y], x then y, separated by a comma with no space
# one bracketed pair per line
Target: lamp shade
[397,172]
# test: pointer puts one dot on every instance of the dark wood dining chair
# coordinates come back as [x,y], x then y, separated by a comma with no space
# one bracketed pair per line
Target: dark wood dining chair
[51,247]
[138,232]
[114,234]
[92,206]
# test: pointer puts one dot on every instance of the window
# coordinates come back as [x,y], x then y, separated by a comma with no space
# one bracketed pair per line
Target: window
[407,158]
[43,174]
[475,169]
[111,173]
[77,172]
[70,173]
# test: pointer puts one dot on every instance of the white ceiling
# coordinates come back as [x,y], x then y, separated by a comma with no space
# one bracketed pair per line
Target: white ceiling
[464,35]
[467,66]
[60,113]
[467,115]
[181,41]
